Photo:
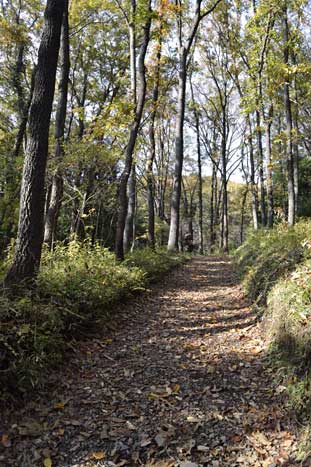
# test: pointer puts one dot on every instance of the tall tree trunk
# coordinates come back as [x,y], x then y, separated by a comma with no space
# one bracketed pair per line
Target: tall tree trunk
[212,207]
[128,238]
[225,227]
[131,185]
[270,201]
[295,141]
[179,153]
[261,169]
[122,197]
[56,191]
[289,126]
[199,160]
[30,232]
[152,153]
[244,198]
[252,175]
[184,51]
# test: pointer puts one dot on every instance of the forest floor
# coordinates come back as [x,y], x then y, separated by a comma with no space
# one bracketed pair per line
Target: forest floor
[181,378]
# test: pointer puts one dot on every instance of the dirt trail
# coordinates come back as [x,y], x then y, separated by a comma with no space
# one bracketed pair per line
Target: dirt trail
[182,381]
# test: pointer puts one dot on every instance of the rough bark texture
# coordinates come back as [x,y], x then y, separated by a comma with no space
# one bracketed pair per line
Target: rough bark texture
[270,201]
[128,237]
[179,153]
[122,197]
[289,127]
[56,192]
[152,153]
[30,233]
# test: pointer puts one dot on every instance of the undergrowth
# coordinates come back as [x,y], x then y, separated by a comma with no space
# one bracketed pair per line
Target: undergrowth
[268,255]
[77,286]
[275,267]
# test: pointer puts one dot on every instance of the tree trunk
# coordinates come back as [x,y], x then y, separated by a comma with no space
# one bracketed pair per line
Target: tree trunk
[122,197]
[179,153]
[261,169]
[252,175]
[152,153]
[199,160]
[212,208]
[289,127]
[57,180]
[30,232]
[225,232]
[270,201]
[244,198]
[128,238]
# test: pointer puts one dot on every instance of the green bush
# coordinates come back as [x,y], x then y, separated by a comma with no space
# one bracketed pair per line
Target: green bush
[275,266]
[76,288]
[155,263]
[268,255]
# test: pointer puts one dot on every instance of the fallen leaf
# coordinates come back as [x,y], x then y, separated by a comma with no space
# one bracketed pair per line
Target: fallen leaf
[5,441]
[59,406]
[98,455]
[47,462]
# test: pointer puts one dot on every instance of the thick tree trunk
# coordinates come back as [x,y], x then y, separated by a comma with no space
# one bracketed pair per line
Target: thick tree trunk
[179,153]
[122,197]
[30,233]
[55,199]
[289,127]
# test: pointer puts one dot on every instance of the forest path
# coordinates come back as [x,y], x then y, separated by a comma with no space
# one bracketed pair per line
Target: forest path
[182,381]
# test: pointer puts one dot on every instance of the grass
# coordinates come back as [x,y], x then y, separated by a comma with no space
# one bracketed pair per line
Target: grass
[275,267]
[268,255]
[77,288]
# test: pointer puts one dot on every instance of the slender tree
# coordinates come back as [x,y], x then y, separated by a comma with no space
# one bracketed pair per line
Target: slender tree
[185,46]
[56,188]
[141,95]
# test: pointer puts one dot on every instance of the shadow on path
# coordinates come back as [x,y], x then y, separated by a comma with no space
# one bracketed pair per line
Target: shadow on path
[182,378]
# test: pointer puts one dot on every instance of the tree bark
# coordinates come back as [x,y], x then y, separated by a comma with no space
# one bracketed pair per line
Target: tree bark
[122,197]
[289,126]
[152,153]
[128,238]
[270,201]
[30,232]
[184,49]
[179,153]
[56,193]
[199,161]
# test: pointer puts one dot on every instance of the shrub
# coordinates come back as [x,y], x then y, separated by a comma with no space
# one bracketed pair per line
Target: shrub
[267,255]
[76,287]
[155,263]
